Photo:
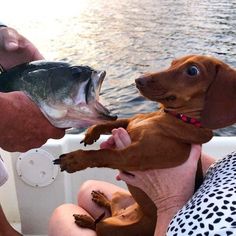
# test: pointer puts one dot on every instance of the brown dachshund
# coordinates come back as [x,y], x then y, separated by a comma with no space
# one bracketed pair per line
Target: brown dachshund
[196,92]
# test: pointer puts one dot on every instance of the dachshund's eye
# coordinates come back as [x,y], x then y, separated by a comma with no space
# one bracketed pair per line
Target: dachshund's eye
[192,71]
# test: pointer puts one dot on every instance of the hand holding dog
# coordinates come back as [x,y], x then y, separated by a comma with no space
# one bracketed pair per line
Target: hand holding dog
[169,188]
[164,186]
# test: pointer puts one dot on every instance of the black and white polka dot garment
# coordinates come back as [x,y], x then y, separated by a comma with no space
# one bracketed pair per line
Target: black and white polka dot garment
[212,209]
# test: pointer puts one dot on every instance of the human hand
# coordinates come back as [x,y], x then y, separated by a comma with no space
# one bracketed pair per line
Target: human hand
[119,139]
[23,126]
[168,188]
[16,49]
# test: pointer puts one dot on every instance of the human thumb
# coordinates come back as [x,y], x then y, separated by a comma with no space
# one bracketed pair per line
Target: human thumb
[11,40]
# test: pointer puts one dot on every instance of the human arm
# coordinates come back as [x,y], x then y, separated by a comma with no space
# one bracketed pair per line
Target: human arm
[22,125]
[168,188]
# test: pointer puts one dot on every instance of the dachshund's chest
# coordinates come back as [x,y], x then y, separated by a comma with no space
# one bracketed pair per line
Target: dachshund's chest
[143,124]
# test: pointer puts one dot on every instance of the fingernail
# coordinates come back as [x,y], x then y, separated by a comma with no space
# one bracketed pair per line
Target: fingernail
[118,177]
[114,131]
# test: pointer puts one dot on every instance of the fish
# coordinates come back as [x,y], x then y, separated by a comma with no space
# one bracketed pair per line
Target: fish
[68,95]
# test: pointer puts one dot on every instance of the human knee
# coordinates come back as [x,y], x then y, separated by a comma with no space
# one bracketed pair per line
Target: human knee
[62,222]
[86,189]
[60,211]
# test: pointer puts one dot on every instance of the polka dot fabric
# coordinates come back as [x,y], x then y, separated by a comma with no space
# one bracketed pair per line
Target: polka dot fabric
[212,210]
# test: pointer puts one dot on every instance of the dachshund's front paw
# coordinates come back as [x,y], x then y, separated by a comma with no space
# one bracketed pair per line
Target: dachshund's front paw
[85,221]
[91,136]
[69,162]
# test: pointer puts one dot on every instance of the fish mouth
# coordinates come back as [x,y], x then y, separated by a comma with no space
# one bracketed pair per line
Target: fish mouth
[101,76]
[102,112]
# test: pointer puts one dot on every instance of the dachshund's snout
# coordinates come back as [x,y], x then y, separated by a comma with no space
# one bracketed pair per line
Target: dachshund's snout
[141,81]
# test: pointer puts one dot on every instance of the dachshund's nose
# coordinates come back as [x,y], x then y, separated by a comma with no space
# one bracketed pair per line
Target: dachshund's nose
[141,81]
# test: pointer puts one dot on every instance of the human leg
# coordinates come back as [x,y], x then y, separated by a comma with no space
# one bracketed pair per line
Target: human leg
[85,198]
[62,220]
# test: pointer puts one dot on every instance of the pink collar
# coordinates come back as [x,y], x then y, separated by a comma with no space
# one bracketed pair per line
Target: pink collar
[185,118]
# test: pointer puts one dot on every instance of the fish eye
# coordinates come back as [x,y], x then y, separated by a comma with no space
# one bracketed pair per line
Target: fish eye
[192,70]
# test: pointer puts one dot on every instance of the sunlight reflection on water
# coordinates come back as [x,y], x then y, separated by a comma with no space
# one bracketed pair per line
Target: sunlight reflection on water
[127,38]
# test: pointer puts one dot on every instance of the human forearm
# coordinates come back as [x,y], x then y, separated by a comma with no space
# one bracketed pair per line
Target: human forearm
[163,220]
[166,209]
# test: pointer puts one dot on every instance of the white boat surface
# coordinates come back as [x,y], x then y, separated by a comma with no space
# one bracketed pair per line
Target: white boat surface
[36,187]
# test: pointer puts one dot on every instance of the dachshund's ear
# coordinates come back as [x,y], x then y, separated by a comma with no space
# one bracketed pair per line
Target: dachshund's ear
[220,101]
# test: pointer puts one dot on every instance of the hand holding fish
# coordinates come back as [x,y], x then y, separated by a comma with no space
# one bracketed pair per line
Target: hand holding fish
[23,126]
[67,95]
[16,49]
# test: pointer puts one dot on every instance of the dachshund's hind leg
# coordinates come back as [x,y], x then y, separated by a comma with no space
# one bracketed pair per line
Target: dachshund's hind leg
[101,200]
[85,221]
[88,222]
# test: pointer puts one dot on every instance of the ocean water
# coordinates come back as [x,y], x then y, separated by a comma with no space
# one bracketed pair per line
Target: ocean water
[127,38]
